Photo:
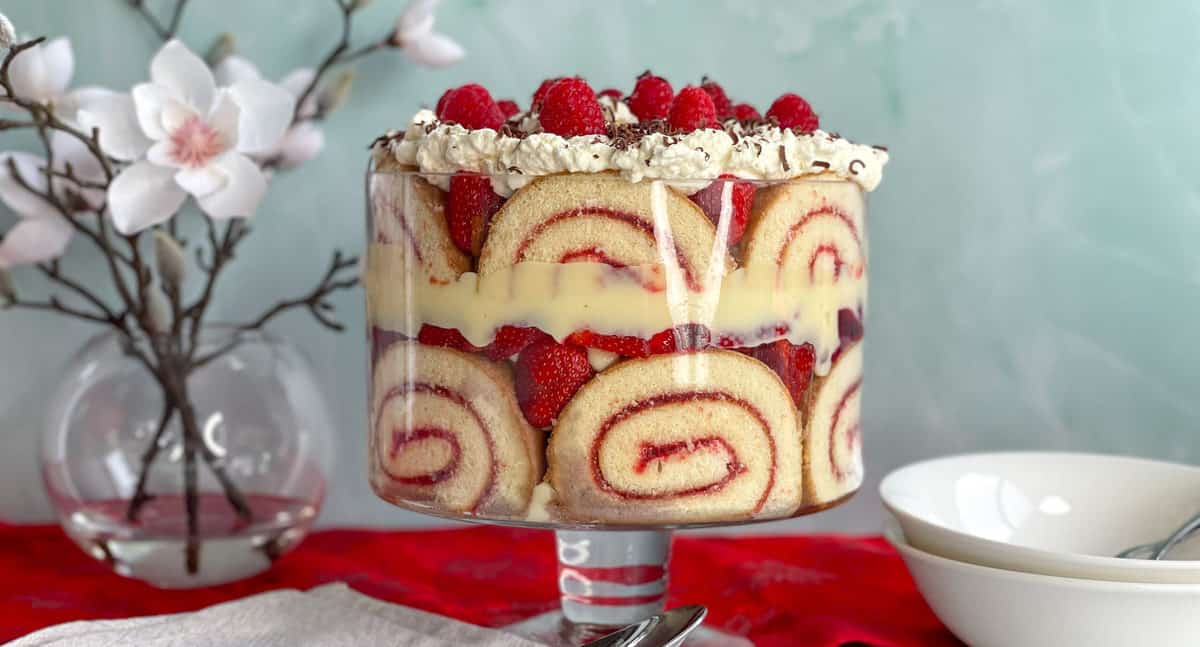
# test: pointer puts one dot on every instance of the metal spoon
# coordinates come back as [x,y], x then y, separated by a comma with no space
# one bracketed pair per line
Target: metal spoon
[1159,549]
[663,630]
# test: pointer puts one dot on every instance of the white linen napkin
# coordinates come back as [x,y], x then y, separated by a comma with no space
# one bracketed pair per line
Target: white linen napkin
[329,616]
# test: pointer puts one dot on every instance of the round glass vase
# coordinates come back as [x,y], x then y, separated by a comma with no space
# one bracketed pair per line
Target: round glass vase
[118,458]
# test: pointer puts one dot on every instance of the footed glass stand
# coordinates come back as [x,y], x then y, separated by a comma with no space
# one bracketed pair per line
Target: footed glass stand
[608,579]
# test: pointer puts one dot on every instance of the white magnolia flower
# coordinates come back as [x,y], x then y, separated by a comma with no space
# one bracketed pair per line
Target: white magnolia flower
[197,139]
[43,72]
[8,33]
[301,142]
[415,35]
[41,233]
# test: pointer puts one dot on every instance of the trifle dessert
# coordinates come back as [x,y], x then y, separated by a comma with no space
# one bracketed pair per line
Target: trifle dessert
[617,309]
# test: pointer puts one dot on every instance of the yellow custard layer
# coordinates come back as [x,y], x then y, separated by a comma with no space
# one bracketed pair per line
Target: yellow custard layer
[748,304]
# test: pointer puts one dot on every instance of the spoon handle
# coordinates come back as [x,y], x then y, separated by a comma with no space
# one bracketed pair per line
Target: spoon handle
[1184,531]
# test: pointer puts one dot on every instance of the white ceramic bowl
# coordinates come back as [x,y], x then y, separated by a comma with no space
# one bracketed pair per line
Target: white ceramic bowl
[989,607]
[1051,513]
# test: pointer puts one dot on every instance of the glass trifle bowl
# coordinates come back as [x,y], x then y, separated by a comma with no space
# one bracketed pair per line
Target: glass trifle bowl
[594,343]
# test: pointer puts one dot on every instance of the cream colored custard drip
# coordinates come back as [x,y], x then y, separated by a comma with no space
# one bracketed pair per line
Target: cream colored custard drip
[686,161]
[560,298]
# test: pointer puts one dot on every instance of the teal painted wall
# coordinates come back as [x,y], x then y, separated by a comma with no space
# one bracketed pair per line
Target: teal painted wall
[1034,273]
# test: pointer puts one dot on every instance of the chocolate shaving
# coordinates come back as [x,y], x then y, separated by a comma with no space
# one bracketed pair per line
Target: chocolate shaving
[880,148]
[820,164]
[851,166]
[515,170]
[783,158]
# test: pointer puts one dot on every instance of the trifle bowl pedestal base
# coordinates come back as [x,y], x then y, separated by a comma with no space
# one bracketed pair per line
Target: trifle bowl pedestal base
[608,579]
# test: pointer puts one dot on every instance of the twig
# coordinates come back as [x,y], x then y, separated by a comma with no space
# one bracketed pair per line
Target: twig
[339,55]
[53,273]
[165,32]
[314,300]
[140,496]
[57,306]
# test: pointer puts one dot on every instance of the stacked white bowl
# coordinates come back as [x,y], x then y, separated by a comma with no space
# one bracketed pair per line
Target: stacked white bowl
[1017,549]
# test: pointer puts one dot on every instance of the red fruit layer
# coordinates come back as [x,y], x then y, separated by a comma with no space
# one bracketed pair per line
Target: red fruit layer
[734,466]
[547,375]
[470,205]
[509,340]
[793,364]
[741,200]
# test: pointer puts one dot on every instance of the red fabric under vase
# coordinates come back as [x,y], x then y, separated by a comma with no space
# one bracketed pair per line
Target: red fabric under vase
[798,591]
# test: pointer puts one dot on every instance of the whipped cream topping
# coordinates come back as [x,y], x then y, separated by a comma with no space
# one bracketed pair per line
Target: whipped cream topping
[688,161]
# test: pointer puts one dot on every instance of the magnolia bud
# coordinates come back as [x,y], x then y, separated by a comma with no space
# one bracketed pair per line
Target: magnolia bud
[158,311]
[8,292]
[8,33]
[168,258]
[224,46]
[334,95]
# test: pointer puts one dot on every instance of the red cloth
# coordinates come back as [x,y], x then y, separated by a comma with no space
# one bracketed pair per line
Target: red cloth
[799,591]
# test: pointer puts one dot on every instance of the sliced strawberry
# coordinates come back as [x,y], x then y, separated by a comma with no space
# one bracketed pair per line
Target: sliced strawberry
[741,200]
[547,375]
[445,337]
[511,340]
[680,339]
[623,345]
[850,330]
[793,364]
[470,205]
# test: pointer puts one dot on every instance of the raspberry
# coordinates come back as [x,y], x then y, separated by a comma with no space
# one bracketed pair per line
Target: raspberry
[651,97]
[570,109]
[540,94]
[623,345]
[508,107]
[445,337]
[610,92]
[793,364]
[547,375]
[470,106]
[511,340]
[441,104]
[720,100]
[470,205]
[792,111]
[741,201]
[746,112]
[692,109]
